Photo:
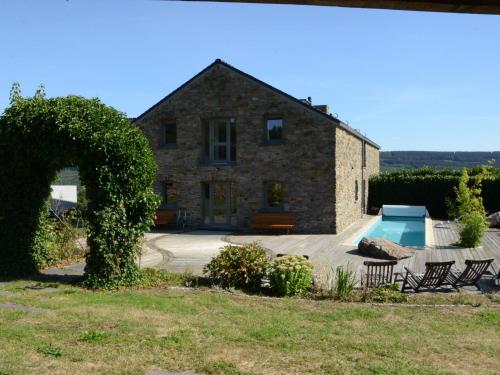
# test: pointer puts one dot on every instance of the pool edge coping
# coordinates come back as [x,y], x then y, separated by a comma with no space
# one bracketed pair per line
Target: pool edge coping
[430,241]
[350,240]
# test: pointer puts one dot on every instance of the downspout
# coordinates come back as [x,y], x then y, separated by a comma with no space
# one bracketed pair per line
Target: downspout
[363,183]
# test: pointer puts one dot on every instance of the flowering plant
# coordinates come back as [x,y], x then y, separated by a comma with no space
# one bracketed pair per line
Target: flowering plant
[291,275]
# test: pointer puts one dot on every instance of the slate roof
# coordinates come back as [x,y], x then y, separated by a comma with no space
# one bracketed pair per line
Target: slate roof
[330,117]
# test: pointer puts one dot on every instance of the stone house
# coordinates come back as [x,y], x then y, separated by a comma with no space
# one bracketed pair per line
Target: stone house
[229,146]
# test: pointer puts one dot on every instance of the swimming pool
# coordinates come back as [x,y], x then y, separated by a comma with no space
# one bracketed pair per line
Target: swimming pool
[404,230]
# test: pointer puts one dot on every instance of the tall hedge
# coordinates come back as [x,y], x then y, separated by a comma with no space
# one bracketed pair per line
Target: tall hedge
[40,136]
[428,187]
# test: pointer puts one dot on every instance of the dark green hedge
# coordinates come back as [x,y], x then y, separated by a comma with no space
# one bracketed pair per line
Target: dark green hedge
[428,187]
[38,137]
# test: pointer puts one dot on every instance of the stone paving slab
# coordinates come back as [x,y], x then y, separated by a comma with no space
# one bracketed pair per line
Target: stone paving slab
[41,288]
[6,293]
[72,270]
[13,306]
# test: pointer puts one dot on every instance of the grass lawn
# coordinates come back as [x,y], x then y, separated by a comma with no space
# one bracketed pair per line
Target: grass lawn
[135,331]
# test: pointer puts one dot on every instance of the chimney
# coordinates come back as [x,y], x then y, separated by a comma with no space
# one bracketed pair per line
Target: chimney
[323,108]
[307,101]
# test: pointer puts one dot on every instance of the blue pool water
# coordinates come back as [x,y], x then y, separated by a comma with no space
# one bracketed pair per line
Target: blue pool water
[404,230]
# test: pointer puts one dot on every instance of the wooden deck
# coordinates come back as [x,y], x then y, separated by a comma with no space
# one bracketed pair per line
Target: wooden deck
[327,251]
[446,235]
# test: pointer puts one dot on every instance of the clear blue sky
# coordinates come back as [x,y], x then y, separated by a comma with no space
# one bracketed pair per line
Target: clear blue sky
[410,81]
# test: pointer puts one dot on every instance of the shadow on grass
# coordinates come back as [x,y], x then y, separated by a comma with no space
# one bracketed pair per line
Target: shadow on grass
[46,278]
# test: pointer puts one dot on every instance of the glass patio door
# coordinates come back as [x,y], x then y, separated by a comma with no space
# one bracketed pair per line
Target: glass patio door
[219,204]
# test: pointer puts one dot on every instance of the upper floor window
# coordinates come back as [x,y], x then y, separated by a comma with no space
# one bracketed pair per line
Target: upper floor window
[220,140]
[274,195]
[356,190]
[274,130]
[170,134]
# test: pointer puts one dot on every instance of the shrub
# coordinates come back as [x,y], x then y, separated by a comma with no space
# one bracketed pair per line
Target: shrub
[239,266]
[468,207]
[472,228]
[55,243]
[343,282]
[153,278]
[388,293]
[291,275]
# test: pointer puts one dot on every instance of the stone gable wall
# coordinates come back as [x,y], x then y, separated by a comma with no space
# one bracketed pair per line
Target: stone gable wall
[349,172]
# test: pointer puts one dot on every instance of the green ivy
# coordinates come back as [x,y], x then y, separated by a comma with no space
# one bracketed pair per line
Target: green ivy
[40,136]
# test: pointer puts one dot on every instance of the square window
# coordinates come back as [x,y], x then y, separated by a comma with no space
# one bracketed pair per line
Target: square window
[274,195]
[170,134]
[274,130]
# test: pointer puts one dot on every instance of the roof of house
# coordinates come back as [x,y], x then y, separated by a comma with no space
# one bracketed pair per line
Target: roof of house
[328,116]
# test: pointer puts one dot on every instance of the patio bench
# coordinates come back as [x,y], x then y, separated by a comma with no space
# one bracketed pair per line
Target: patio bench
[273,221]
[165,217]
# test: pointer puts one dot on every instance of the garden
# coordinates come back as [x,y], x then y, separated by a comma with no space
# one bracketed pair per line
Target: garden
[248,314]
[166,326]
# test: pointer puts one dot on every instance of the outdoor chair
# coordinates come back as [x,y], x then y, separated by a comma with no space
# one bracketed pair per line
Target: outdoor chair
[494,275]
[378,273]
[470,276]
[434,277]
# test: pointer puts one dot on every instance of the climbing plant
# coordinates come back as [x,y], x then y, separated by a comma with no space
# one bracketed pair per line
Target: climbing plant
[40,136]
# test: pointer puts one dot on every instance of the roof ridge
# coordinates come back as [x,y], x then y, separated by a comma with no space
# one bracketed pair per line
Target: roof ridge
[219,61]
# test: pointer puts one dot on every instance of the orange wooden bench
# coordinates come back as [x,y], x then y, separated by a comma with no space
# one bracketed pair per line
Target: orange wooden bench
[165,217]
[273,221]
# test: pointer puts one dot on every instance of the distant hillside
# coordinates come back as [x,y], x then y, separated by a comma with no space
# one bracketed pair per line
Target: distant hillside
[438,159]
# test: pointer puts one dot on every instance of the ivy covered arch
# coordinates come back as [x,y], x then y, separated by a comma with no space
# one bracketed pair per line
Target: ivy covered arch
[40,136]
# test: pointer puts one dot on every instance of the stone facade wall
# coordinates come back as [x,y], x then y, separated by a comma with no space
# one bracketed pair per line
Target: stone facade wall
[348,166]
[351,178]
[305,162]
